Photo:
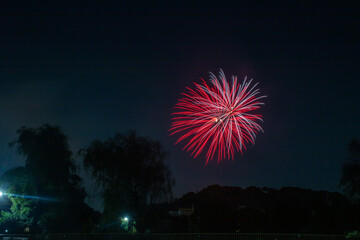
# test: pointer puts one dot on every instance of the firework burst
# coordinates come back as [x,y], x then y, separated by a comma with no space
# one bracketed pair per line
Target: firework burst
[218,117]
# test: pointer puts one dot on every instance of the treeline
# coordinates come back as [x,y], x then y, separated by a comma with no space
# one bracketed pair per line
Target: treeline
[47,194]
[288,210]
[266,210]
[261,210]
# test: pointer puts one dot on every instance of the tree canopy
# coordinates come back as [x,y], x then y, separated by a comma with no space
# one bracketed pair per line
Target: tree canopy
[49,160]
[131,171]
[47,192]
[350,180]
[21,214]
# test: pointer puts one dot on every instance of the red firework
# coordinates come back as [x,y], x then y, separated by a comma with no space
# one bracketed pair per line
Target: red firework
[218,117]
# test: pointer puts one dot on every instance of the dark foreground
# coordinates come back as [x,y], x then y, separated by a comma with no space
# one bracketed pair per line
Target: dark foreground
[172,236]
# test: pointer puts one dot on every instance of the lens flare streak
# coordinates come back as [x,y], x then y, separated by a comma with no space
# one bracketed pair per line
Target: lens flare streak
[218,117]
[32,197]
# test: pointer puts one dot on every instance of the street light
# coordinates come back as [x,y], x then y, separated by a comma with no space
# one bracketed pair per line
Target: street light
[126,219]
[1,193]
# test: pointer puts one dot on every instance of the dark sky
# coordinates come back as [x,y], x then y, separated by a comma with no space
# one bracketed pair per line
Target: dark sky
[96,69]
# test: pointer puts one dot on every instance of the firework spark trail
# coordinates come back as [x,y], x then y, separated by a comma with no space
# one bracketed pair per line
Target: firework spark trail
[218,116]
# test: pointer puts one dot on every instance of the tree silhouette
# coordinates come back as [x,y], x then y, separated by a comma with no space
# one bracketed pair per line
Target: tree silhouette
[21,214]
[350,180]
[49,160]
[49,165]
[131,171]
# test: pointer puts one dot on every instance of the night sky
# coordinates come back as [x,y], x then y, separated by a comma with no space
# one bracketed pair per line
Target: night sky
[97,69]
